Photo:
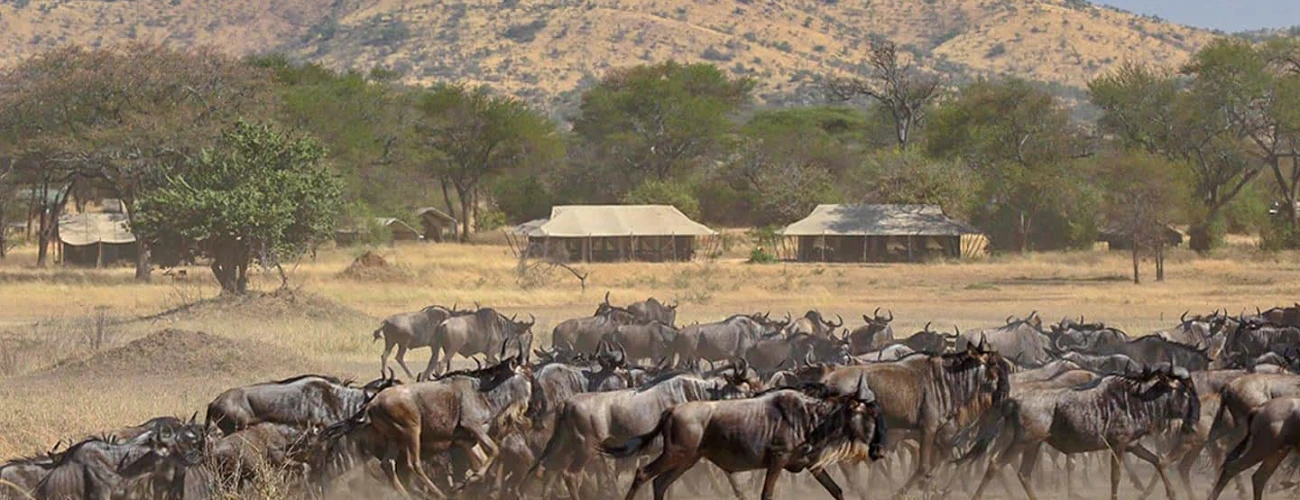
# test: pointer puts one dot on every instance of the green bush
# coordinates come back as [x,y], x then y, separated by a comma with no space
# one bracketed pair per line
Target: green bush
[655,192]
[761,256]
[489,219]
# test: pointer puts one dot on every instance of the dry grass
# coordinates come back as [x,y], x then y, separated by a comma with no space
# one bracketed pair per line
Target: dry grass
[50,317]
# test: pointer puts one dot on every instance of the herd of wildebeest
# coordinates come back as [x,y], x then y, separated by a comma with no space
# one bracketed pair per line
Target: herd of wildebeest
[626,394]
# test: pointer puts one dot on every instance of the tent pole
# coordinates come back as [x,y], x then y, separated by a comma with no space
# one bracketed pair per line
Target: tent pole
[864,248]
[99,255]
[673,237]
[823,246]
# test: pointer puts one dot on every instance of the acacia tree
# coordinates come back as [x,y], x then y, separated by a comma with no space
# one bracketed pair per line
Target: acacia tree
[258,194]
[897,86]
[471,135]
[121,117]
[1143,194]
[1148,109]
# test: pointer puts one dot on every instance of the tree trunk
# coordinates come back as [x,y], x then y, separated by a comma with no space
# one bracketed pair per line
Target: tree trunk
[1198,237]
[466,204]
[230,267]
[1137,278]
[143,268]
[451,209]
[1160,258]
[1022,232]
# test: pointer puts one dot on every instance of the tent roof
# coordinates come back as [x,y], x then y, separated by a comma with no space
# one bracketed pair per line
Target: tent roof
[89,229]
[575,221]
[435,213]
[393,221]
[878,220]
[527,227]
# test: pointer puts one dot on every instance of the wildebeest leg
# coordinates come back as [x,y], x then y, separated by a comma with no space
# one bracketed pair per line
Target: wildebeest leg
[923,461]
[388,349]
[1266,469]
[401,359]
[1143,453]
[1116,460]
[828,483]
[1029,460]
[1253,453]
[850,477]
[769,481]
[995,467]
[489,450]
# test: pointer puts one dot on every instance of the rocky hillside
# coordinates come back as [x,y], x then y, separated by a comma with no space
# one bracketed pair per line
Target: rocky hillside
[543,49]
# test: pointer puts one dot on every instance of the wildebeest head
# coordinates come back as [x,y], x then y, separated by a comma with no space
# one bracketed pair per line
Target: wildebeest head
[384,381]
[609,356]
[877,320]
[996,370]
[1176,383]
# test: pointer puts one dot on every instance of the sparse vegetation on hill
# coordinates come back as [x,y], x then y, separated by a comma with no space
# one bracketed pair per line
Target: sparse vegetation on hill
[539,50]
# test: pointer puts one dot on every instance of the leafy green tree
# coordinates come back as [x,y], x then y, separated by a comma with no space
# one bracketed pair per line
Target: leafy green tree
[656,192]
[1143,194]
[469,136]
[1150,110]
[259,195]
[1020,142]
[125,115]
[908,177]
[656,122]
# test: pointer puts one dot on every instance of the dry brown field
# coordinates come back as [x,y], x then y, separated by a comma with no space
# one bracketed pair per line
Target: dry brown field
[81,352]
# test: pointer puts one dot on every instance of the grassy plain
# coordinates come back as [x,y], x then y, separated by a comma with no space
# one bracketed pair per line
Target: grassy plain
[79,352]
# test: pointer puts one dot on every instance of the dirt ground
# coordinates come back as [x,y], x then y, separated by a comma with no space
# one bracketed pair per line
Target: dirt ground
[82,351]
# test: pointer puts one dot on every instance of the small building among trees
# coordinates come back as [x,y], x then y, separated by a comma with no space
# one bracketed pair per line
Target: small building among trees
[611,233]
[388,229]
[437,224]
[880,233]
[96,239]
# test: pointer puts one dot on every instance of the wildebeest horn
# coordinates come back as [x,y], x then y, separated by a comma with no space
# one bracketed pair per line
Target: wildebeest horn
[876,313]
[532,320]
[606,297]
[622,353]
[1183,318]
[1009,319]
[194,416]
[788,319]
[476,362]
[504,342]
[477,306]
[927,326]
[808,358]
[891,316]
[835,325]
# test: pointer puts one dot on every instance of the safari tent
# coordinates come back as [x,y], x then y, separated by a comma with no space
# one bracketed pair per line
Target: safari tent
[96,239]
[879,233]
[436,223]
[356,230]
[610,233]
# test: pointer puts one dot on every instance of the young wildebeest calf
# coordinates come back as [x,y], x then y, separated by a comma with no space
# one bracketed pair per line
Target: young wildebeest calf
[1112,413]
[810,428]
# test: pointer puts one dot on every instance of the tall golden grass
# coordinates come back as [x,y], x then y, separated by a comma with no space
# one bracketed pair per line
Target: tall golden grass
[48,315]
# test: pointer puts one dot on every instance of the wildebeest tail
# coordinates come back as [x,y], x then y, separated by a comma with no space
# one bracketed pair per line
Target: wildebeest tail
[1221,425]
[636,444]
[989,425]
[379,332]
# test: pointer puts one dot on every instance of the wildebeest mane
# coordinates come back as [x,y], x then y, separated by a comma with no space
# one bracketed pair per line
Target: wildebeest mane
[297,378]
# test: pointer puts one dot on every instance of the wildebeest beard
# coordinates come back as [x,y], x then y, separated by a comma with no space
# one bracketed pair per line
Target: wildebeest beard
[839,436]
[967,379]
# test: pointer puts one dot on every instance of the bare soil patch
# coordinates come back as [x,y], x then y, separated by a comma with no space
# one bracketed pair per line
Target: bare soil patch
[176,352]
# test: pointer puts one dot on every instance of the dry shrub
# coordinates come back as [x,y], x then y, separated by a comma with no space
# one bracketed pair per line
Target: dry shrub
[372,267]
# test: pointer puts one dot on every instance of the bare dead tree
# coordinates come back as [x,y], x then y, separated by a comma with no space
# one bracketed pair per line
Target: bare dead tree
[898,86]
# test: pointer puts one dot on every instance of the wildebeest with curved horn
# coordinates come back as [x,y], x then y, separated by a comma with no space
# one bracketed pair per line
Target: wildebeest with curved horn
[927,341]
[1112,413]
[304,401]
[479,333]
[651,340]
[925,393]
[96,468]
[806,428]
[457,409]
[582,334]
[652,310]
[411,330]
[874,335]
[812,323]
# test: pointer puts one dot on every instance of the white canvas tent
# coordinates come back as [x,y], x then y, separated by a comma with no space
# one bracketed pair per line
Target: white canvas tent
[880,233]
[95,239]
[607,233]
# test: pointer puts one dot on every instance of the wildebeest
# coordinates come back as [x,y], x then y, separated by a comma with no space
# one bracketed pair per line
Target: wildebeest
[644,341]
[773,352]
[1112,414]
[1020,340]
[925,393]
[411,330]
[652,310]
[303,401]
[101,469]
[19,476]
[727,339]
[1245,393]
[1273,430]
[812,323]
[927,341]
[245,453]
[874,335]
[484,332]
[1249,341]
[810,427]
[1080,336]
[590,419]
[458,409]
[1152,350]
[582,334]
